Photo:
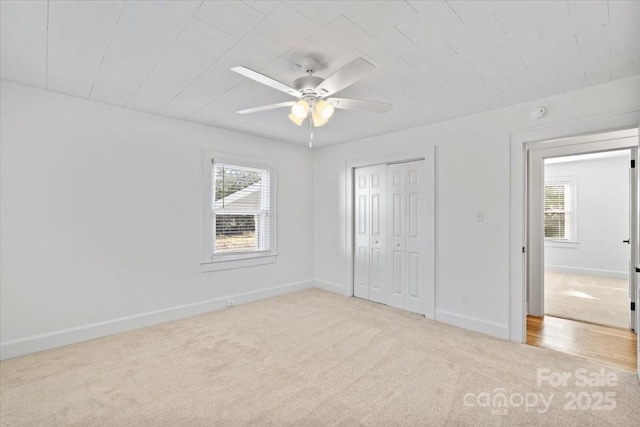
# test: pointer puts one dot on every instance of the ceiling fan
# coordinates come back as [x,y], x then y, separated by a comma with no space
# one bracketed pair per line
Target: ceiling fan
[313,92]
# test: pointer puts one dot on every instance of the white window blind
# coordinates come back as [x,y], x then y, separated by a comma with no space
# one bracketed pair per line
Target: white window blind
[555,211]
[240,209]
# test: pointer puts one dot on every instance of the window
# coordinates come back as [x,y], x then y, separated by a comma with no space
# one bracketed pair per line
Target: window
[555,213]
[559,209]
[239,211]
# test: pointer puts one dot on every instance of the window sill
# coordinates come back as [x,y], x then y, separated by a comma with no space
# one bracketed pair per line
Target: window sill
[567,244]
[207,266]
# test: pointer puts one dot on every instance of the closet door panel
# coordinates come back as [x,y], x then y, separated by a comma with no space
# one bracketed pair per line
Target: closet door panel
[361,227]
[416,237]
[397,273]
[396,222]
[378,236]
[391,235]
[413,275]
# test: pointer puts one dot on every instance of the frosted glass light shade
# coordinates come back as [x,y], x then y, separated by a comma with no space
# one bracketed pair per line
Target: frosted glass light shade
[300,109]
[318,120]
[295,119]
[324,109]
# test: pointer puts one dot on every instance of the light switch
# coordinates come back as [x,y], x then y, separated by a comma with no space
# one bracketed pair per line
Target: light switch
[480,216]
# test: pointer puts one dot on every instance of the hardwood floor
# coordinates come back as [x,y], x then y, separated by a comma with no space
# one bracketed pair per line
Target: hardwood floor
[611,346]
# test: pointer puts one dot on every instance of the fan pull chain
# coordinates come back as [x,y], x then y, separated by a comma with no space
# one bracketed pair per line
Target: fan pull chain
[310,133]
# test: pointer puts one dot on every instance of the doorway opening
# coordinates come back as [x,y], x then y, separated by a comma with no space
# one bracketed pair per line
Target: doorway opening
[581,281]
[586,238]
[610,346]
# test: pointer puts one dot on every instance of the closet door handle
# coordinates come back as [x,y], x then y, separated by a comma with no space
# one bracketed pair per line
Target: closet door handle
[626,241]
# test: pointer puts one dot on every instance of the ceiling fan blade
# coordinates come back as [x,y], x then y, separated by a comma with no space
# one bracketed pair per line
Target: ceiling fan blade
[359,105]
[265,80]
[349,74]
[267,107]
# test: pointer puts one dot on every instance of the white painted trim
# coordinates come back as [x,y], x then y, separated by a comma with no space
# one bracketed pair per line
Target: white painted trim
[472,324]
[436,222]
[231,264]
[517,264]
[587,271]
[36,343]
[536,153]
[428,155]
[328,286]
[564,244]
[232,261]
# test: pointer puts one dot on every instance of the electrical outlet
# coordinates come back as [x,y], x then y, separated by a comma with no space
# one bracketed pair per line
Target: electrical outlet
[480,216]
[231,303]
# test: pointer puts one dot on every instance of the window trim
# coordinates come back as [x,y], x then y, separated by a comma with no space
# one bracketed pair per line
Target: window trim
[570,210]
[209,260]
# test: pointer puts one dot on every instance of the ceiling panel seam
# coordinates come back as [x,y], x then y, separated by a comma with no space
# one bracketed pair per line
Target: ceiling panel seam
[354,24]
[409,4]
[212,64]
[115,27]
[135,92]
[455,13]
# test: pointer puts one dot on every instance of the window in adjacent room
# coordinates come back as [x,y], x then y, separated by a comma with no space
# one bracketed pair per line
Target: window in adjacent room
[239,210]
[559,210]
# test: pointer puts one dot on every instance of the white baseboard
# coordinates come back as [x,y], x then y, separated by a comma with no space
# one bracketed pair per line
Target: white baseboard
[328,286]
[588,271]
[19,347]
[465,322]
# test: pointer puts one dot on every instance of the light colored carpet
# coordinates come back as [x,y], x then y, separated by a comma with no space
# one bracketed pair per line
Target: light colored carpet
[593,299]
[309,358]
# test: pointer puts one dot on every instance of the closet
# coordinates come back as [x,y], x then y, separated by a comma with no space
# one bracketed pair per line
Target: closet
[390,235]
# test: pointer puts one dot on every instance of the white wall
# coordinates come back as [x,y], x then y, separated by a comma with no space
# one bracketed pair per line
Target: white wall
[100,216]
[101,220]
[472,258]
[602,214]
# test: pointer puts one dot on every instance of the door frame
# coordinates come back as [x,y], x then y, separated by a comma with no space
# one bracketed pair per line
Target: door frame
[518,200]
[537,152]
[429,155]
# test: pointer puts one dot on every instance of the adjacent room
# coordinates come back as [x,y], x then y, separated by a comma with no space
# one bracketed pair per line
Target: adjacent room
[319,213]
[587,238]
[583,303]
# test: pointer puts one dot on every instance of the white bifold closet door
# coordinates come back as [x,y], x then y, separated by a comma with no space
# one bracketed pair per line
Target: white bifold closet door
[390,239]
[370,259]
[406,218]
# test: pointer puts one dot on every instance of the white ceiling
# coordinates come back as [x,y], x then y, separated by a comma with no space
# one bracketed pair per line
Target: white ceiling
[435,59]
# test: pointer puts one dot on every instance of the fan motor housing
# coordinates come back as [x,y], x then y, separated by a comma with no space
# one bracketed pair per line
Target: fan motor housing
[307,84]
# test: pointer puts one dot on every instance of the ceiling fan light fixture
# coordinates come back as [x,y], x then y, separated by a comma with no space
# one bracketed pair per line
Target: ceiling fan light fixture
[300,109]
[295,119]
[318,120]
[310,92]
[324,109]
